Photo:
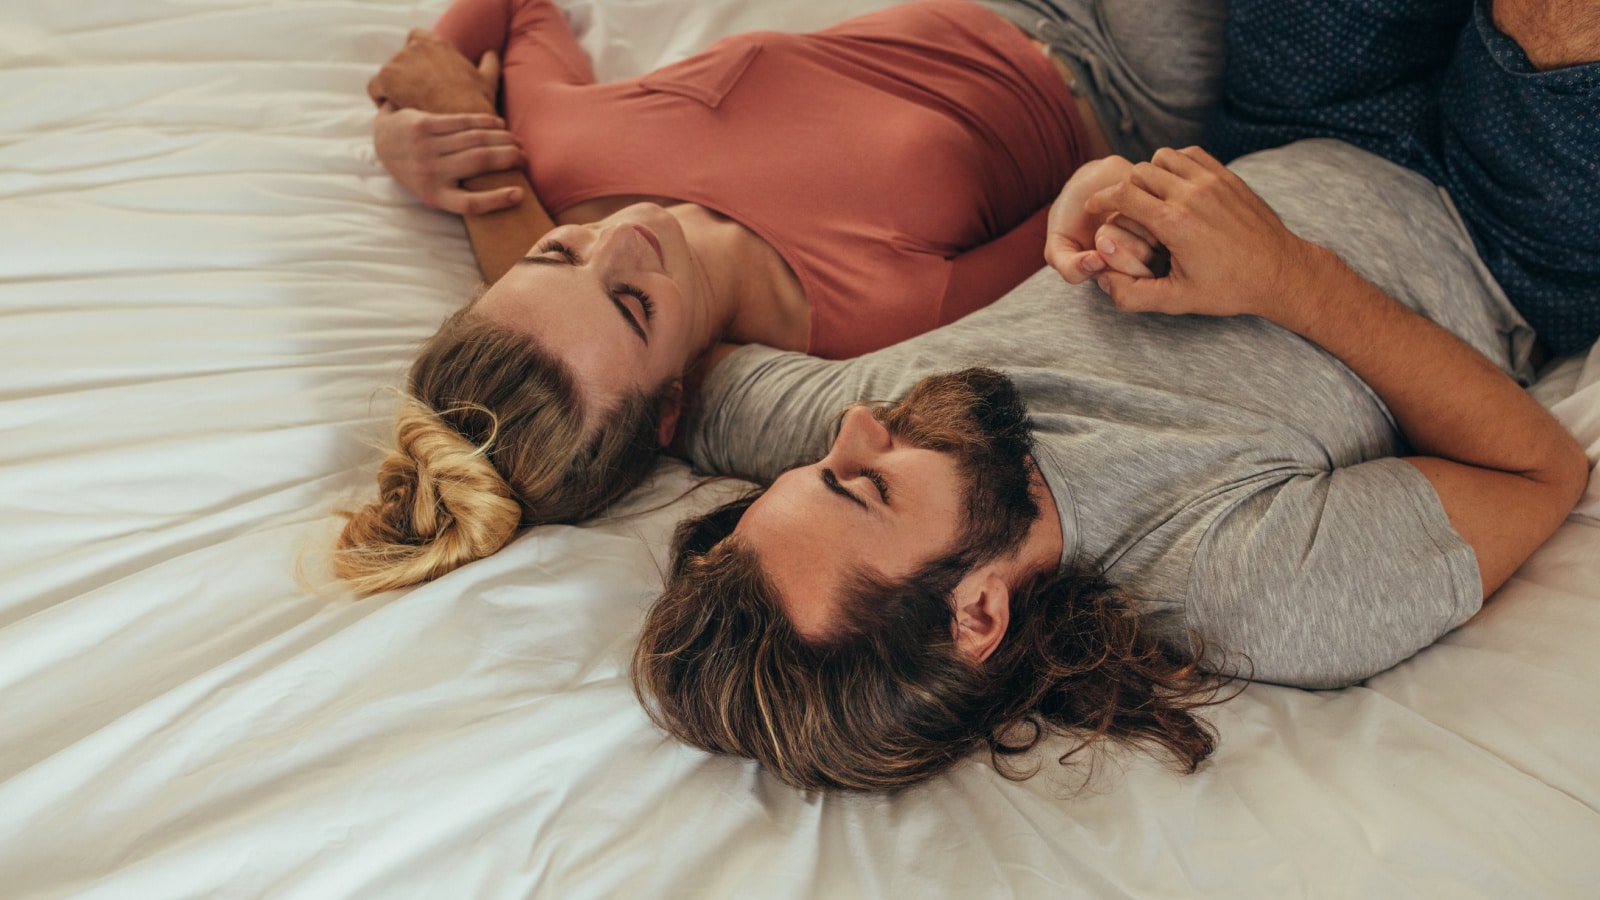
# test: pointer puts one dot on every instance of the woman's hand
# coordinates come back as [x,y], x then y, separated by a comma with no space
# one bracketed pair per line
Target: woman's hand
[1081,245]
[432,153]
[430,74]
[1230,253]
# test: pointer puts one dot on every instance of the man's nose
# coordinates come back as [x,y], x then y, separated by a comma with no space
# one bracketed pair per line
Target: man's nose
[863,432]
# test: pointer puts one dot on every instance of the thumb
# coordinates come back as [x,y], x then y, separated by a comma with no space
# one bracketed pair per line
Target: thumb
[1061,253]
[489,71]
[1132,294]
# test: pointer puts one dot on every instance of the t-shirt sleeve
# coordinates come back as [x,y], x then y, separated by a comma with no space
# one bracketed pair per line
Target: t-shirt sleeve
[763,411]
[532,37]
[1325,579]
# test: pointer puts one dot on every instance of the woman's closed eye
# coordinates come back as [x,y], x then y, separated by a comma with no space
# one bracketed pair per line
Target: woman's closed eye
[647,305]
[562,250]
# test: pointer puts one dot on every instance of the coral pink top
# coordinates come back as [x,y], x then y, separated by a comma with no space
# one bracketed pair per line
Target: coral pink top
[902,162]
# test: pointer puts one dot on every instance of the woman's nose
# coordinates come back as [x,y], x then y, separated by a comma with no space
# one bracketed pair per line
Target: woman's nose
[620,243]
[605,245]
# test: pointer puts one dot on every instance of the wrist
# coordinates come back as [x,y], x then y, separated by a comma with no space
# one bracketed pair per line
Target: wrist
[1315,279]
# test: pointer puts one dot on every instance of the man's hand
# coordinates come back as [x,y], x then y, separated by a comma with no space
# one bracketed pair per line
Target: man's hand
[1080,245]
[429,74]
[1230,253]
[431,153]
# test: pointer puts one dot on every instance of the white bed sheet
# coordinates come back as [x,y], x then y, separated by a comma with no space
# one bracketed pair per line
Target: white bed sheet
[206,280]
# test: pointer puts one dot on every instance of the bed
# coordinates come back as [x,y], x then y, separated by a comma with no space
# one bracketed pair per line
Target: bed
[207,283]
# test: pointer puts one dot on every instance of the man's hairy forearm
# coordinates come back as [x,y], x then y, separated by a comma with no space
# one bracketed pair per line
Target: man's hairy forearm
[1448,399]
[1554,33]
[501,238]
[1504,469]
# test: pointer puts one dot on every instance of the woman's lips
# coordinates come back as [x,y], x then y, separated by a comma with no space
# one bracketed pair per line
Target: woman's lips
[650,238]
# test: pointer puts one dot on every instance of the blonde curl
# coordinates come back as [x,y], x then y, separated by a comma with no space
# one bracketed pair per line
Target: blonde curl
[441,504]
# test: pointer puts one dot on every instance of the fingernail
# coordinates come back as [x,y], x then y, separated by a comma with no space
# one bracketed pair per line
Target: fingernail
[1092,264]
[1105,246]
[1103,284]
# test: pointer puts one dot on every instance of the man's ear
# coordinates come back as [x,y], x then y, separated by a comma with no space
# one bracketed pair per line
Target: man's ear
[983,612]
[671,411]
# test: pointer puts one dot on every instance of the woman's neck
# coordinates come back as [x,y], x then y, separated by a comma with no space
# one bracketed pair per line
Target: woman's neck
[752,294]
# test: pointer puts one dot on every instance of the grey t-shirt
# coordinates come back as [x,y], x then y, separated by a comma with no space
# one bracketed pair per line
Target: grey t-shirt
[1235,477]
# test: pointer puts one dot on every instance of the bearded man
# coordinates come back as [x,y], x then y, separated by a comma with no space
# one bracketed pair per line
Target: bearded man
[1281,436]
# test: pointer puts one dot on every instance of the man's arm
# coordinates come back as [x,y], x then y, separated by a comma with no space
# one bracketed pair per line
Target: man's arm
[1504,469]
[448,169]
[1554,33]
[501,237]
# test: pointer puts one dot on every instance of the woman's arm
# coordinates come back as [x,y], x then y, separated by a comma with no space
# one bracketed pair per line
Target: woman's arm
[1504,469]
[981,275]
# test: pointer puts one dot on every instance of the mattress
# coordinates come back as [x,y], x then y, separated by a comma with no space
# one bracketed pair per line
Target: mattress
[209,288]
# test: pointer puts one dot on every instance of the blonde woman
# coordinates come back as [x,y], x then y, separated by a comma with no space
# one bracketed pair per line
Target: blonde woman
[832,193]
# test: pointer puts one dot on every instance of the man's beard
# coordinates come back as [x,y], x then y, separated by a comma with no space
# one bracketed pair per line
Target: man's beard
[976,415]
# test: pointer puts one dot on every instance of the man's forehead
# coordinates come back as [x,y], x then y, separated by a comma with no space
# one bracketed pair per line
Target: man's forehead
[804,555]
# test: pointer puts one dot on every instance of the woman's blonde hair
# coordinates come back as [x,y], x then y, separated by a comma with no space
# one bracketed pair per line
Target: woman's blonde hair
[491,436]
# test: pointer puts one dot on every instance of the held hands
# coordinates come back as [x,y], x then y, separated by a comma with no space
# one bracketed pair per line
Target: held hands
[437,127]
[430,74]
[432,153]
[1081,245]
[1230,253]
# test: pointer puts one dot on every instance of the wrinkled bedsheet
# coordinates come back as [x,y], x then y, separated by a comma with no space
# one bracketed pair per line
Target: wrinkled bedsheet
[207,286]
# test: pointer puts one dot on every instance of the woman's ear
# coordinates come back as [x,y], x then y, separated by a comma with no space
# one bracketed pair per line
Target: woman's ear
[671,399]
[983,612]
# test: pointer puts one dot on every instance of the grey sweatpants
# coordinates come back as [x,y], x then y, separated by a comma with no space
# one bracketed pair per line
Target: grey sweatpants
[1152,69]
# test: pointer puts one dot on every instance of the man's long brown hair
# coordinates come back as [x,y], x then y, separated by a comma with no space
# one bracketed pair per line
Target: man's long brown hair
[890,701]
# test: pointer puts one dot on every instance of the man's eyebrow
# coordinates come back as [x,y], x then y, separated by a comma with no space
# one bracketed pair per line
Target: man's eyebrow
[832,482]
[622,308]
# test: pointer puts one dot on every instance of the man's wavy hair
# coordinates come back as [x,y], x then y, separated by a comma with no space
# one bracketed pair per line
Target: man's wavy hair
[886,699]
